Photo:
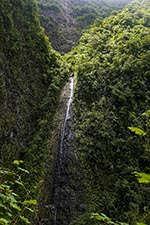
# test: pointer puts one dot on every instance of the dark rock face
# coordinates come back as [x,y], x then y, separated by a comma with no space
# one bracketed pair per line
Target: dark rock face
[60,25]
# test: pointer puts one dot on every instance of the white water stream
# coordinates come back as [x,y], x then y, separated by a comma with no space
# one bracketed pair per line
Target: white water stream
[71,84]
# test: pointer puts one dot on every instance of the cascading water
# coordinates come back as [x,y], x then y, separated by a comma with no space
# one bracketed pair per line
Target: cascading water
[63,199]
[64,194]
[67,116]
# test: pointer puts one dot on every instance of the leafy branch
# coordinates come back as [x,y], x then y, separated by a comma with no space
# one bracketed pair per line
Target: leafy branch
[15,209]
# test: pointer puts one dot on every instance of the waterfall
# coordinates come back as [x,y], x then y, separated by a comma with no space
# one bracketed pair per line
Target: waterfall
[63,195]
[67,116]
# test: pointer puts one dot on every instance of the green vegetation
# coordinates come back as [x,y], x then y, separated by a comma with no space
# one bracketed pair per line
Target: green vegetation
[96,219]
[112,71]
[31,78]
[16,205]
[112,67]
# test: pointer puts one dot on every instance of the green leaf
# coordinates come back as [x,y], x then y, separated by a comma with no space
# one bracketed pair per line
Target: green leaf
[142,177]
[12,198]
[14,194]
[96,216]
[17,162]
[137,131]
[3,186]
[19,183]
[100,217]
[29,209]
[4,221]
[147,113]
[4,171]
[30,202]
[23,170]
[9,214]
[24,219]
[105,217]
[15,206]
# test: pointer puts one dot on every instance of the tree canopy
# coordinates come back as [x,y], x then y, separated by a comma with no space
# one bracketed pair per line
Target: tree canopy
[112,69]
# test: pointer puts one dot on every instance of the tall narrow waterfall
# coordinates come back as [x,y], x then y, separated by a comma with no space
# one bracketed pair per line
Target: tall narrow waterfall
[63,196]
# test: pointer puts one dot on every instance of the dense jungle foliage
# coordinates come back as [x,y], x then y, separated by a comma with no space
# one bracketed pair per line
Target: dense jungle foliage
[64,20]
[112,70]
[30,81]
[111,66]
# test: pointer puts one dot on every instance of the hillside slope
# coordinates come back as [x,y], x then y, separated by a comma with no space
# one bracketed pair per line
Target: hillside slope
[64,20]
[112,67]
